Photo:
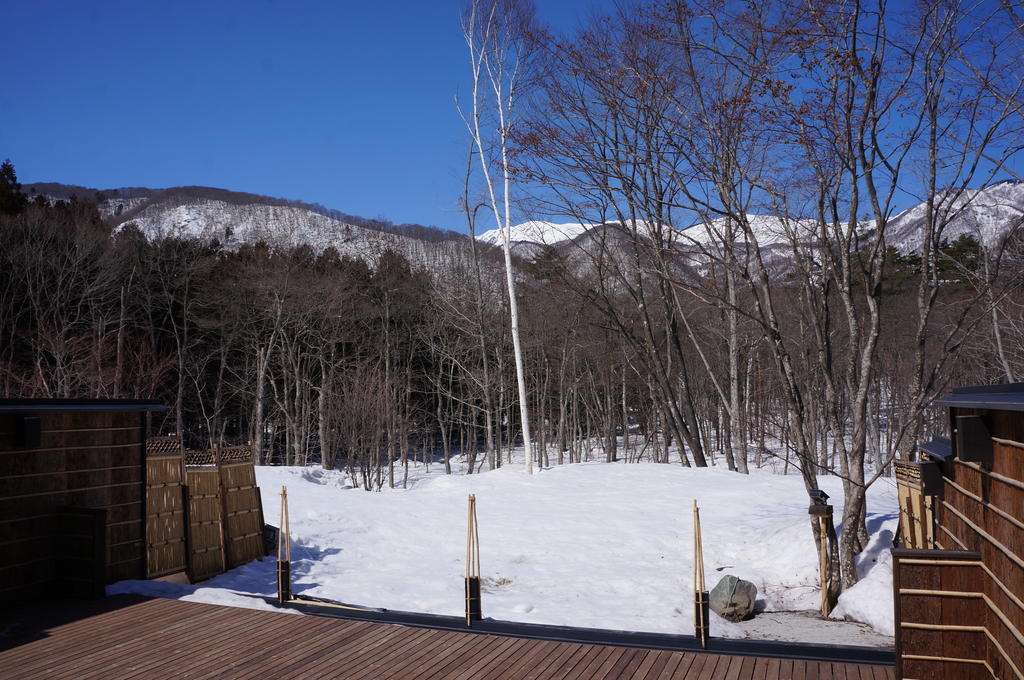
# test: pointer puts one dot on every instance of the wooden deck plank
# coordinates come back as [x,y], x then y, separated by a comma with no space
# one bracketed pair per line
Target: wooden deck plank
[272,649]
[416,643]
[695,670]
[87,650]
[675,661]
[393,642]
[591,660]
[73,634]
[38,653]
[477,652]
[470,670]
[628,665]
[473,649]
[405,663]
[647,665]
[533,656]
[191,646]
[284,654]
[452,650]
[560,671]
[193,651]
[567,658]
[136,639]
[740,667]
[496,665]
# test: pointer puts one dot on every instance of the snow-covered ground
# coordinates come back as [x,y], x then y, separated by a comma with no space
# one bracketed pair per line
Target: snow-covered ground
[594,544]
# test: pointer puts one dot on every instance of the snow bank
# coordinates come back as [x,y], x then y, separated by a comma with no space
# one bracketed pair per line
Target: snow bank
[593,545]
[190,593]
[870,600]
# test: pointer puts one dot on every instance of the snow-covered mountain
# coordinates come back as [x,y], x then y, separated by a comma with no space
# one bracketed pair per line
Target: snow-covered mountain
[536,231]
[768,231]
[987,214]
[233,219]
[233,225]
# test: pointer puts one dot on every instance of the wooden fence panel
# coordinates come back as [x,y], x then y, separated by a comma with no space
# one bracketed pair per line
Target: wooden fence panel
[166,544]
[243,515]
[960,609]
[205,525]
[940,613]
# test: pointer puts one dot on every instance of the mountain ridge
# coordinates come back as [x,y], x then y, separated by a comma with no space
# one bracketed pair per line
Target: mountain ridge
[986,214]
[123,204]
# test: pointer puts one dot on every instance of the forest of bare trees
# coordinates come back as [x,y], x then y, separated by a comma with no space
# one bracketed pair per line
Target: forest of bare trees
[821,354]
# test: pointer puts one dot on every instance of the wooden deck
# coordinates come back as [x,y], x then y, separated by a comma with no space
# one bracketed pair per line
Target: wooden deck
[130,637]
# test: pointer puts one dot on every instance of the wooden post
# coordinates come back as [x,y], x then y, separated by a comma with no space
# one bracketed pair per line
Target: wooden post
[474,611]
[701,605]
[823,563]
[822,511]
[284,553]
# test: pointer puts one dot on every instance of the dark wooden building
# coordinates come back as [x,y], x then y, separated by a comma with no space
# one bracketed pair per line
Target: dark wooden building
[72,495]
[959,575]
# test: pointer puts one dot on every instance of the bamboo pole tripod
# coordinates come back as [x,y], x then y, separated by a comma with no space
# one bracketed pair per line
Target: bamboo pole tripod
[474,611]
[700,592]
[284,553]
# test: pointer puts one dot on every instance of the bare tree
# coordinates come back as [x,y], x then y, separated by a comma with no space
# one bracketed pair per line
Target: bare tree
[499,60]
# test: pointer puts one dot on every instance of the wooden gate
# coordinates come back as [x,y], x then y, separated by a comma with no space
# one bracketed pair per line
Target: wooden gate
[166,521]
[917,483]
[205,525]
[243,511]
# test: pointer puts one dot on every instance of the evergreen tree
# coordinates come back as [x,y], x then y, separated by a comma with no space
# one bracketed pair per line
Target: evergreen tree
[960,258]
[11,199]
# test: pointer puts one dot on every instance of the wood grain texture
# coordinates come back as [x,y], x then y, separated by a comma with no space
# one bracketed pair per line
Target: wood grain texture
[980,509]
[127,637]
[85,460]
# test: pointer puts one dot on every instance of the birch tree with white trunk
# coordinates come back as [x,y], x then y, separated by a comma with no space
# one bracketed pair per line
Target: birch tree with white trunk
[494,31]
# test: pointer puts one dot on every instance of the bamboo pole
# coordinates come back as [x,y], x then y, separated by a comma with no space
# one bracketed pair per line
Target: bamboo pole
[284,553]
[700,595]
[474,609]
[823,562]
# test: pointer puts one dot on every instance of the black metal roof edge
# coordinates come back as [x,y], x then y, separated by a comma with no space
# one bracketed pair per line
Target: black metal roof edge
[939,447]
[663,641]
[81,405]
[1001,401]
[1002,388]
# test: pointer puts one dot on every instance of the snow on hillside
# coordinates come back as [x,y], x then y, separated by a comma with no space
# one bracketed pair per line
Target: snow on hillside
[535,231]
[767,229]
[986,214]
[233,224]
[594,544]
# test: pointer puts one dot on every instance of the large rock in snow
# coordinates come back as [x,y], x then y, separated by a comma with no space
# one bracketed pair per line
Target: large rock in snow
[733,598]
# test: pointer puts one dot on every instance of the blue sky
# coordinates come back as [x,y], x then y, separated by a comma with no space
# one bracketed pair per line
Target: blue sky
[345,103]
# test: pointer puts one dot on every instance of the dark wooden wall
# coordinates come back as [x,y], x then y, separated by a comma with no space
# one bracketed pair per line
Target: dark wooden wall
[971,590]
[83,460]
